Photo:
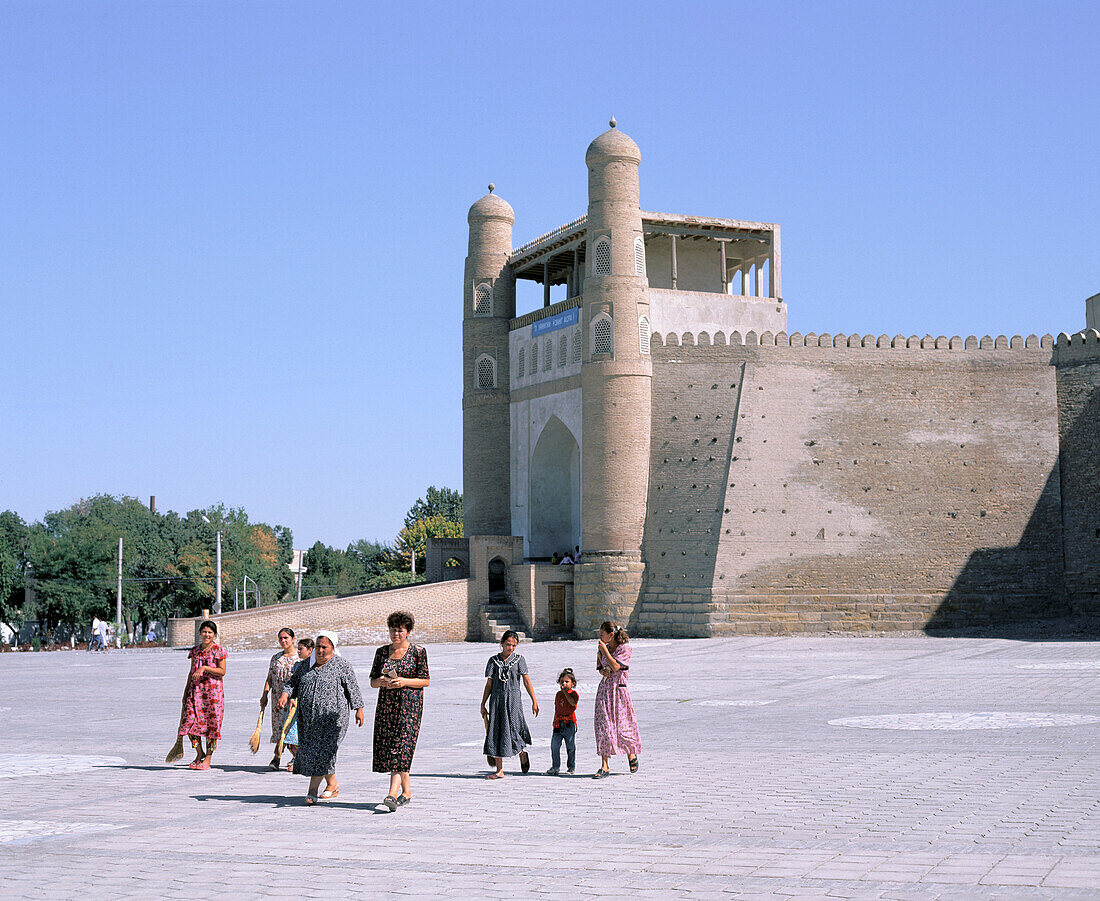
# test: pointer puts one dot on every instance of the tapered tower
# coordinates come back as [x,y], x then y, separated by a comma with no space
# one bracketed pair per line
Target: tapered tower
[616,377]
[489,303]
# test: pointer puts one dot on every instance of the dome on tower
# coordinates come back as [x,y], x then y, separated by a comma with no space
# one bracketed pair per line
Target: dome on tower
[491,207]
[612,145]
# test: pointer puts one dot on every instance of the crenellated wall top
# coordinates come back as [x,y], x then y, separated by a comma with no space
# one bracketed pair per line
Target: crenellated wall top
[1086,342]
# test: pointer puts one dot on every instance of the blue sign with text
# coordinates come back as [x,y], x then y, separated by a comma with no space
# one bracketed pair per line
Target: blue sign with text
[558,321]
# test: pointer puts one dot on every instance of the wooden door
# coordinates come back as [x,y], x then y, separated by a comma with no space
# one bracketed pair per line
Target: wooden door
[557,607]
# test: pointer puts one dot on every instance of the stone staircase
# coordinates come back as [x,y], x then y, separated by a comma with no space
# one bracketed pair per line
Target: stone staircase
[498,615]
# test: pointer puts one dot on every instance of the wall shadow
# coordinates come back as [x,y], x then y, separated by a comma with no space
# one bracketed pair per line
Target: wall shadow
[1042,588]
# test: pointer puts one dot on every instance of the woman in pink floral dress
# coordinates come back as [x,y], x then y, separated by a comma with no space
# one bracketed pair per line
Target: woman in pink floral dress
[203,696]
[616,725]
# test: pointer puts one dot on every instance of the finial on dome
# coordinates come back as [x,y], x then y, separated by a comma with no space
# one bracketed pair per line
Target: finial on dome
[492,187]
[613,123]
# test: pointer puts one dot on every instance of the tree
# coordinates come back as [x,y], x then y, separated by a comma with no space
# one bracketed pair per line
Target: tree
[413,538]
[14,538]
[444,502]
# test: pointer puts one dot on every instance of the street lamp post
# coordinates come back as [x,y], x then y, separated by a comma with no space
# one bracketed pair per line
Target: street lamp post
[218,564]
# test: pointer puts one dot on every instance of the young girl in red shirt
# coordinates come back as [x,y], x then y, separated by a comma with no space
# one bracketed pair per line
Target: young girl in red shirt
[565,723]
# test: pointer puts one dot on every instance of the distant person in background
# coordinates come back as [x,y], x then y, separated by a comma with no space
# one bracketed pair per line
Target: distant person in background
[566,560]
[204,695]
[152,636]
[93,642]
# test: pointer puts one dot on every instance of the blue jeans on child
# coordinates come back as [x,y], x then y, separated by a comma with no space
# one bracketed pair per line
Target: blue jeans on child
[566,732]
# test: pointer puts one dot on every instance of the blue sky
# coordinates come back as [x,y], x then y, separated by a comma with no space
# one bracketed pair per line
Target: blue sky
[232,233]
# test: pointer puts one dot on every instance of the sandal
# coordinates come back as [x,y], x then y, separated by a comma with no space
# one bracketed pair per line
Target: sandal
[402,800]
[495,776]
[275,764]
[391,802]
[524,762]
[601,774]
[312,799]
[329,793]
[290,767]
[633,763]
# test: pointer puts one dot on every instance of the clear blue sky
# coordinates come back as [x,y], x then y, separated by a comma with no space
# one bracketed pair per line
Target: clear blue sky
[232,233]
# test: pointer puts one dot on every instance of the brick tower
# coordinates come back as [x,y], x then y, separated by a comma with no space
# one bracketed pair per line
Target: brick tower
[616,377]
[489,302]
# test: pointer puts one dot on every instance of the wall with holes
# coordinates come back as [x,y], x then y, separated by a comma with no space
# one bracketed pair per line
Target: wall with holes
[821,482]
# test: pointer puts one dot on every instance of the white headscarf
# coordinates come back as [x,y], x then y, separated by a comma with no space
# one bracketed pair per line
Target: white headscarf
[334,637]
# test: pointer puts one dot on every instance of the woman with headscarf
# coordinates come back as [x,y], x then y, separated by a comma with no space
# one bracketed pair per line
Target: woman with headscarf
[204,695]
[326,690]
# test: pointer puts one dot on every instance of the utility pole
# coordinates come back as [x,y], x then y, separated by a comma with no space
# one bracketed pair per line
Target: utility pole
[218,586]
[300,555]
[118,603]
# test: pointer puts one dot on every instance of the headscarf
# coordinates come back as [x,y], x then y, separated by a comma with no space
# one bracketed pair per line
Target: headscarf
[334,637]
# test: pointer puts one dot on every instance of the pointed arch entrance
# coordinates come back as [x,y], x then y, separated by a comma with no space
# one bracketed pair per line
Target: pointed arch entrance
[554,492]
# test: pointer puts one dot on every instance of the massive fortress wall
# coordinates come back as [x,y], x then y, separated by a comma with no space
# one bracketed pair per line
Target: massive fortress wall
[827,482]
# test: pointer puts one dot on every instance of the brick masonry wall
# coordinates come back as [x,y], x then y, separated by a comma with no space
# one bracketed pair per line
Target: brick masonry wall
[806,487]
[1079,428]
[439,608]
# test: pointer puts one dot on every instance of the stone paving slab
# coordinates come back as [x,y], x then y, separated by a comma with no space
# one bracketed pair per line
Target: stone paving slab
[802,767]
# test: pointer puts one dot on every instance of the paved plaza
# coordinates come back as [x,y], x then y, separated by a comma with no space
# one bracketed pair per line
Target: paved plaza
[825,767]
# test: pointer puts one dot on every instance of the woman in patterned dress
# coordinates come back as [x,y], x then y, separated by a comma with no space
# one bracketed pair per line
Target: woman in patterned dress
[616,725]
[506,734]
[400,672]
[326,690]
[204,696]
[278,671]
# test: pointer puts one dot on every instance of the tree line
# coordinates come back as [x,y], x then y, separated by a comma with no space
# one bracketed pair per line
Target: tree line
[63,571]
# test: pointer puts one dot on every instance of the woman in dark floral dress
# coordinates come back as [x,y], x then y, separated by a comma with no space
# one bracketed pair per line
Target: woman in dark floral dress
[400,671]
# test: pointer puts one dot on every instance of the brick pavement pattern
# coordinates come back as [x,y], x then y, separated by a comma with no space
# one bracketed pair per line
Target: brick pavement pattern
[797,767]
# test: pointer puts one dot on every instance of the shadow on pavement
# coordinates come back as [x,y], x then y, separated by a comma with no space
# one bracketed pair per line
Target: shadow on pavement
[293,801]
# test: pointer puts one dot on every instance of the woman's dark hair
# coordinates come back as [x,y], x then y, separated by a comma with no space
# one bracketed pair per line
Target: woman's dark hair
[288,631]
[615,632]
[507,635]
[567,672]
[400,619]
[305,643]
[210,624]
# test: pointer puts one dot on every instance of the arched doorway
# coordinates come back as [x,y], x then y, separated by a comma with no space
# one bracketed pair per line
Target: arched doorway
[555,491]
[497,572]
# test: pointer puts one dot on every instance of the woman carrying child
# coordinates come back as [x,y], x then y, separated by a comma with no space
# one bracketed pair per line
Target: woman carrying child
[506,734]
[616,725]
[565,724]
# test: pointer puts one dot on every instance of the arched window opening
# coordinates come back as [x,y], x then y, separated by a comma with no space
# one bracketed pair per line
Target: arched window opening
[547,355]
[486,372]
[563,350]
[534,358]
[603,256]
[577,344]
[643,334]
[601,335]
[483,300]
[639,257]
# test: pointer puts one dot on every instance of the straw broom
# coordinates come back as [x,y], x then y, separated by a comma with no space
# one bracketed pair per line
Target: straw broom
[177,749]
[254,741]
[286,727]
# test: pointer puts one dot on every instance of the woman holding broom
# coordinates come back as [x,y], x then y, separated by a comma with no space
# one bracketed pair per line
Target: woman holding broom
[278,671]
[204,696]
[327,691]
